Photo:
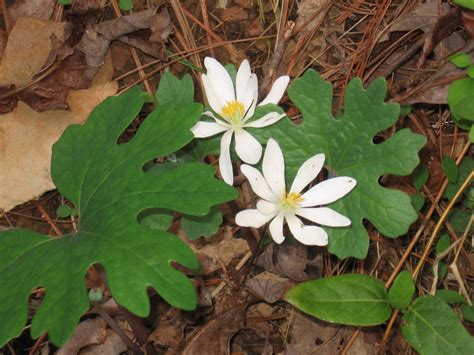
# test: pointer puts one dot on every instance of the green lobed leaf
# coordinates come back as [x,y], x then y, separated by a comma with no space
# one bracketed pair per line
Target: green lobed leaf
[433,328]
[461,60]
[347,142]
[402,290]
[107,185]
[449,296]
[450,169]
[65,2]
[202,226]
[352,299]
[175,91]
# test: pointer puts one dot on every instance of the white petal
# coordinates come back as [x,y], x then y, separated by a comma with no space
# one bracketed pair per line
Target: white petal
[207,129]
[267,120]
[222,123]
[274,168]
[324,216]
[277,91]
[247,147]
[328,191]
[225,164]
[309,235]
[307,172]
[276,229]
[241,79]
[250,96]
[220,80]
[212,98]
[266,207]
[257,182]
[251,218]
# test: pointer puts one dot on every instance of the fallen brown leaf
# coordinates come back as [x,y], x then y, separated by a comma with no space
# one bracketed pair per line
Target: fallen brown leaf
[225,248]
[112,344]
[310,336]
[81,7]
[169,332]
[26,138]
[29,49]
[214,337]
[423,17]
[290,260]
[88,332]
[268,287]
[38,9]
[233,14]
[96,40]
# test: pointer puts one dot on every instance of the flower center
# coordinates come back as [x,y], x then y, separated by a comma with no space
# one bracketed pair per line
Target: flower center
[292,200]
[233,112]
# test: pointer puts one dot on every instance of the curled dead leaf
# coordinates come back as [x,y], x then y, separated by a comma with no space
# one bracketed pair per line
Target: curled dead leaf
[214,337]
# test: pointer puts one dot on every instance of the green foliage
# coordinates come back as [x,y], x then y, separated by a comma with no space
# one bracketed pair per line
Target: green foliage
[465,168]
[461,60]
[442,270]
[443,243]
[467,312]
[405,110]
[459,219]
[402,290]
[470,71]
[432,327]
[352,299]
[108,187]
[417,201]
[461,102]
[64,211]
[449,296]
[175,91]
[65,2]
[156,218]
[468,4]
[450,169]
[350,151]
[202,226]
[461,92]
[126,5]
[420,177]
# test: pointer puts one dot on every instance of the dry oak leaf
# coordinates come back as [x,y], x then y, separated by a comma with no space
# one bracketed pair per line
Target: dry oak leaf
[28,49]
[26,138]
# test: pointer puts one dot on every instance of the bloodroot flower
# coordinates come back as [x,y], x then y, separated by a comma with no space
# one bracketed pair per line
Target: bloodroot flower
[279,205]
[235,106]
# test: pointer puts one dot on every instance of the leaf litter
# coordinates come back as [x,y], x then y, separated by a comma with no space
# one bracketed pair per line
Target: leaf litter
[273,267]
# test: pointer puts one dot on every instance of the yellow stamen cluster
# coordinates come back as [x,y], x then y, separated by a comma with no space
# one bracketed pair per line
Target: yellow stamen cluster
[233,111]
[291,200]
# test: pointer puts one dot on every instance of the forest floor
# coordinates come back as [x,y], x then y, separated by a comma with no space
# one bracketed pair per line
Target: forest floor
[240,311]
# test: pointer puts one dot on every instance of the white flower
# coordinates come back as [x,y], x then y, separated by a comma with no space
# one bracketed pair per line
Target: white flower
[235,107]
[279,205]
